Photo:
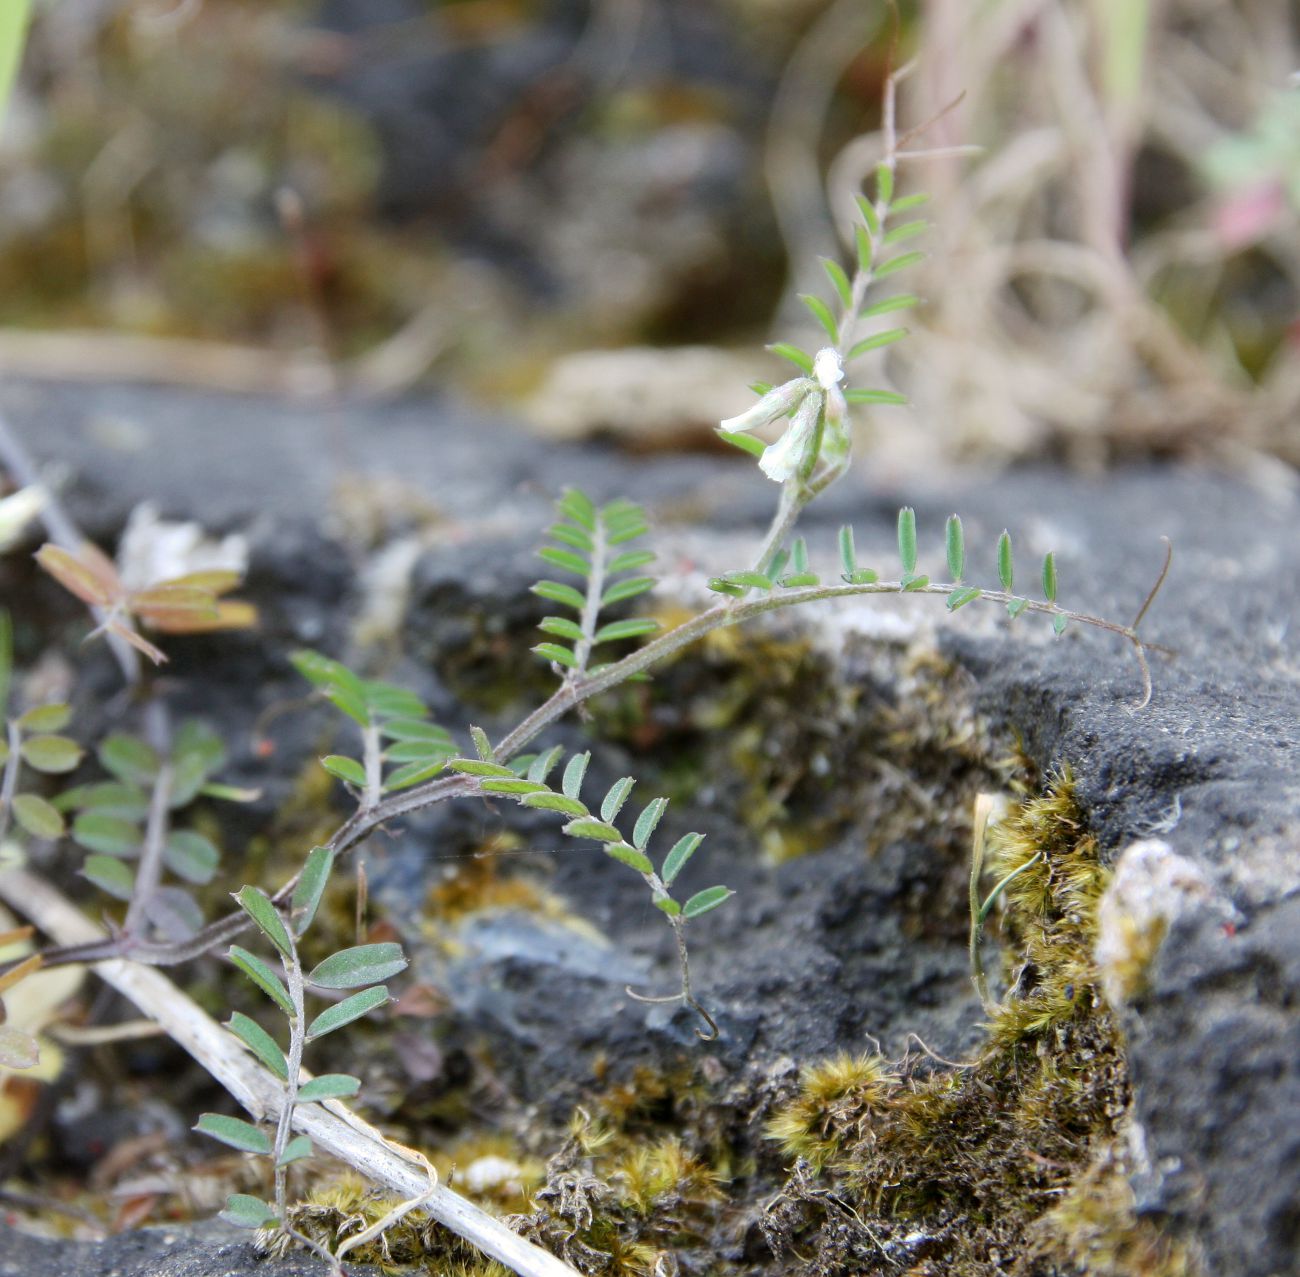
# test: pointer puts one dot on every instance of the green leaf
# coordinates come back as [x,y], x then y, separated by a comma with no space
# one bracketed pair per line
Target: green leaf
[109,796]
[839,280]
[340,686]
[197,741]
[615,799]
[798,579]
[513,788]
[260,1042]
[848,555]
[36,816]
[956,547]
[887,305]
[960,597]
[1016,606]
[877,340]
[237,1133]
[863,576]
[559,593]
[257,904]
[566,560]
[895,264]
[746,443]
[720,585]
[411,774]
[111,875]
[868,211]
[360,965]
[390,701]
[329,1086]
[296,1150]
[628,531]
[230,793]
[482,746]
[915,582]
[884,183]
[704,901]
[477,767]
[630,559]
[45,718]
[801,359]
[345,1012]
[799,556]
[414,729]
[244,1211]
[128,759]
[556,652]
[682,850]
[110,835]
[668,905]
[577,505]
[874,396]
[753,580]
[906,230]
[578,538]
[562,627]
[629,856]
[555,802]
[865,246]
[1059,624]
[647,821]
[909,202]
[907,539]
[542,766]
[1006,573]
[345,769]
[262,976]
[821,312]
[189,855]
[627,589]
[575,769]
[597,829]
[311,885]
[632,627]
[1049,577]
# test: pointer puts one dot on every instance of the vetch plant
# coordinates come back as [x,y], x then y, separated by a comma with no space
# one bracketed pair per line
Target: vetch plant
[401,761]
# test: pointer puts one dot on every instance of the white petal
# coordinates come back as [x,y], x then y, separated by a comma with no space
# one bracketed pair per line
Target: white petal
[776,403]
[782,459]
[828,368]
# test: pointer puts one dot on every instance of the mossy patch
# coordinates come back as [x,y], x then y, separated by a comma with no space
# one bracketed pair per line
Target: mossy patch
[1012,1163]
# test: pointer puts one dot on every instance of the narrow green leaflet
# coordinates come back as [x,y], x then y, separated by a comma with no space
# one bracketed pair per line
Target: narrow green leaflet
[961,596]
[839,280]
[1006,573]
[38,817]
[311,886]
[260,1042]
[821,312]
[559,654]
[956,548]
[683,849]
[411,774]
[633,627]
[387,700]
[895,264]
[128,759]
[542,766]
[874,396]
[1016,606]
[347,769]
[109,835]
[596,829]
[340,686]
[647,821]
[257,904]
[1049,577]
[110,875]
[1060,623]
[561,627]
[244,1211]
[45,718]
[877,341]
[233,1131]
[345,1012]
[637,860]
[363,964]
[296,1150]
[887,305]
[191,856]
[477,767]
[262,976]
[560,593]
[574,770]
[329,1086]
[615,799]
[907,540]
[627,589]
[704,901]
[556,802]
[746,443]
[565,559]
[800,358]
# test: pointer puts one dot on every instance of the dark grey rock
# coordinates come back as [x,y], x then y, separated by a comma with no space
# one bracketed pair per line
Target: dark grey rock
[835,948]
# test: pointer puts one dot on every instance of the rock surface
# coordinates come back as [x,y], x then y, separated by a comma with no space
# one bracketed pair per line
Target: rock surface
[831,949]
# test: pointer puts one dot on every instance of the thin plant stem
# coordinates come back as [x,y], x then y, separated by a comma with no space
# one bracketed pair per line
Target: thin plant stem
[297,1037]
[9,785]
[591,607]
[149,874]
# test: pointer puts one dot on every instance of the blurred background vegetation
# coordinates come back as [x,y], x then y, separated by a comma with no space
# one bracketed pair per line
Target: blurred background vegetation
[594,212]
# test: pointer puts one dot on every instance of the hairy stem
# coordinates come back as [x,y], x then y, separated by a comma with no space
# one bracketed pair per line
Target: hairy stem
[297,1036]
[149,873]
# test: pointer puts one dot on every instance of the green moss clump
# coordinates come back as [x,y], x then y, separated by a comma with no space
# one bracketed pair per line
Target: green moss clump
[1012,1163]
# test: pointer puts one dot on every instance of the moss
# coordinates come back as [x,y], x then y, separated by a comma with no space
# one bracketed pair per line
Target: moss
[1011,1163]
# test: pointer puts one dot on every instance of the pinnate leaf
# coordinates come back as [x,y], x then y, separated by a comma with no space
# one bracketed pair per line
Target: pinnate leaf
[360,965]
[345,1012]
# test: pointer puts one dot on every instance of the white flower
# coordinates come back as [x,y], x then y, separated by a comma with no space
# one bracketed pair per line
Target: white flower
[807,398]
